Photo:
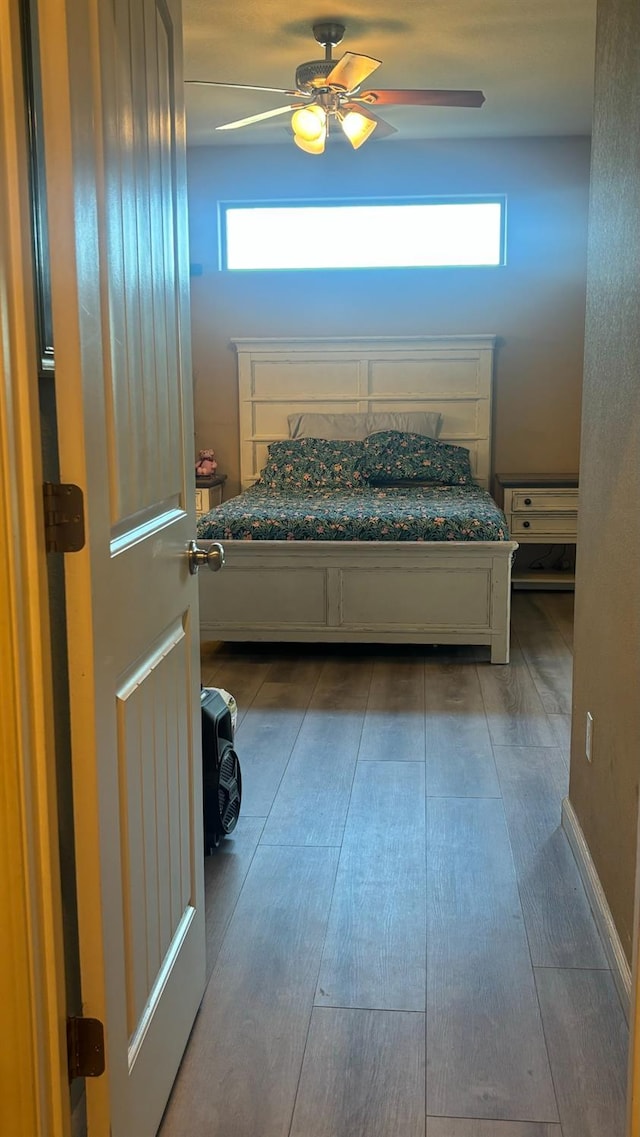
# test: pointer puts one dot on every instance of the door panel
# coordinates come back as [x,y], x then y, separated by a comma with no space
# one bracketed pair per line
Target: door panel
[143,397]
[155,822]
[116,192]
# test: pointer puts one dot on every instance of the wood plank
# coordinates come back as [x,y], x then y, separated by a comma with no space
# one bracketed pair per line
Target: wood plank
[363,1073]
[311,804]
[394,724]
[470,1127]
[375,949]
[559,606]
[561,730]
[242,674]
[557,916]
[290,665]
[241,1070]
[587,1039]
[212,652]
[458,748]
[265,739]
[486,1055]
[548,657]
[515,714]
[224,875]
[347,665]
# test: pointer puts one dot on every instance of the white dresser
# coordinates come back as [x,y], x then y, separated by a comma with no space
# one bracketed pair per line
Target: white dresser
[541,509]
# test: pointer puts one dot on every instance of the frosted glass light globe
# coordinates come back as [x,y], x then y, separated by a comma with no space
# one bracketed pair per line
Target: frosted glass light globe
[309,123]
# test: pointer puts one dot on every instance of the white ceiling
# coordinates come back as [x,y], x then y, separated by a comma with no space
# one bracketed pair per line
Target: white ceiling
[532,58]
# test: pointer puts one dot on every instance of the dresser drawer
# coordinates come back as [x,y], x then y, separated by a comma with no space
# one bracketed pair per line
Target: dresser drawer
[207,497]
[556,526]
[544,500]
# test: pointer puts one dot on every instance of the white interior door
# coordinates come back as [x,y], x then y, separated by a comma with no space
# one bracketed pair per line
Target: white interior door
[113,130]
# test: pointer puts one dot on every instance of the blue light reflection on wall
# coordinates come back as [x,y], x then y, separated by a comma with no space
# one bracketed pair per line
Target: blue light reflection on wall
[460,233]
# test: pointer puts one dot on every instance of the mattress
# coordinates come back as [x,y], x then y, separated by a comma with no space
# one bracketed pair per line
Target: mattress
[372,513]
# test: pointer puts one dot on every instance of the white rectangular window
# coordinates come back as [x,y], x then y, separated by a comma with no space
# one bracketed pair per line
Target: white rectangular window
[454,232]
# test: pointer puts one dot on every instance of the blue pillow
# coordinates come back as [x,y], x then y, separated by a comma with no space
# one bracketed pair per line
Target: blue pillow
[396,456]
[314,463]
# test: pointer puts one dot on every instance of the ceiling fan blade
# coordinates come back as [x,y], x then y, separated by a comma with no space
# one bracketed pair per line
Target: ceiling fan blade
[244,87]
[383,128]
[352,70]
[423,98]
[259,117]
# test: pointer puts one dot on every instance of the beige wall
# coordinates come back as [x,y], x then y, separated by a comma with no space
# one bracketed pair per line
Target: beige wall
[607,628]
[535,304]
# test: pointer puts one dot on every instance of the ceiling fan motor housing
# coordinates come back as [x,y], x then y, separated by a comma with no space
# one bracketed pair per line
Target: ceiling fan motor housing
[312,75]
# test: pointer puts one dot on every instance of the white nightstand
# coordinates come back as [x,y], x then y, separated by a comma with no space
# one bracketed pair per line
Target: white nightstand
[541,509]
[209,493]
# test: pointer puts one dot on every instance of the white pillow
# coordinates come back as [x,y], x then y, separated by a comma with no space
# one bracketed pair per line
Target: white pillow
[360,424]
[344,425]
[428,423]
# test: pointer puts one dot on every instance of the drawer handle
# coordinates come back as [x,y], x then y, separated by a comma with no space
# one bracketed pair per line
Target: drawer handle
[526,524]
[527,501]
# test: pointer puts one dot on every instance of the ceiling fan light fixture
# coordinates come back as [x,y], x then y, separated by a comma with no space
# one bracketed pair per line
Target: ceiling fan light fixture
[357,127]
[310,124]
[316,146]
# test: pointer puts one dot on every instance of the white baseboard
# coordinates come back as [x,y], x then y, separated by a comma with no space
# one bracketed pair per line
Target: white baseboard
[620,967]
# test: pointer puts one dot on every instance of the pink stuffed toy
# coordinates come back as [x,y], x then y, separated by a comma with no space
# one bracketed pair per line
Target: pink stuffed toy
[206,464]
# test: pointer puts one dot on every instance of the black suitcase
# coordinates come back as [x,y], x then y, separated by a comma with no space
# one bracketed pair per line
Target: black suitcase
[221,777]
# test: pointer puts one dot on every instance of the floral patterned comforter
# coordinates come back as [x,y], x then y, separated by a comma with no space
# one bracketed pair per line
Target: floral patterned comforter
[373,513]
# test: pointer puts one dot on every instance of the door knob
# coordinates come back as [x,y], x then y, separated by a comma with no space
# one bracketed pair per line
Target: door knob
[213,557]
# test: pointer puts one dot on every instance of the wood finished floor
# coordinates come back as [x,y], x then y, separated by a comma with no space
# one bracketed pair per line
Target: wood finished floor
[399,944]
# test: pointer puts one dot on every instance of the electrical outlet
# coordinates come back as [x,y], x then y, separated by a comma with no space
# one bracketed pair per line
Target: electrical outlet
[588,746]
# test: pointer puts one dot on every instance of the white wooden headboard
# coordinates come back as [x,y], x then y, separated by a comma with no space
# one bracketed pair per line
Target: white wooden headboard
[449,374]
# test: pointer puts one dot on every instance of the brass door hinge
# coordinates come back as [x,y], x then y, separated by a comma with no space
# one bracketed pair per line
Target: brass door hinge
[85,1048]
[63,517]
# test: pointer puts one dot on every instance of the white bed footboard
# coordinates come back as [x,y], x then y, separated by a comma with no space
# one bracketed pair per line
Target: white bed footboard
[452,592]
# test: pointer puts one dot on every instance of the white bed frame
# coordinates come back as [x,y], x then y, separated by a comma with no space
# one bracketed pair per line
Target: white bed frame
[444,592]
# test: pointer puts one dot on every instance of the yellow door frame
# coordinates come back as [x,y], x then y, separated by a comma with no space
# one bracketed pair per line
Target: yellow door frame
[34,1097]
[34,1094]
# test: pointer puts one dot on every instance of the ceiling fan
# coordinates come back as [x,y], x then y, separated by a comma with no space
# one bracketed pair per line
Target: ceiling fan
[327,91]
